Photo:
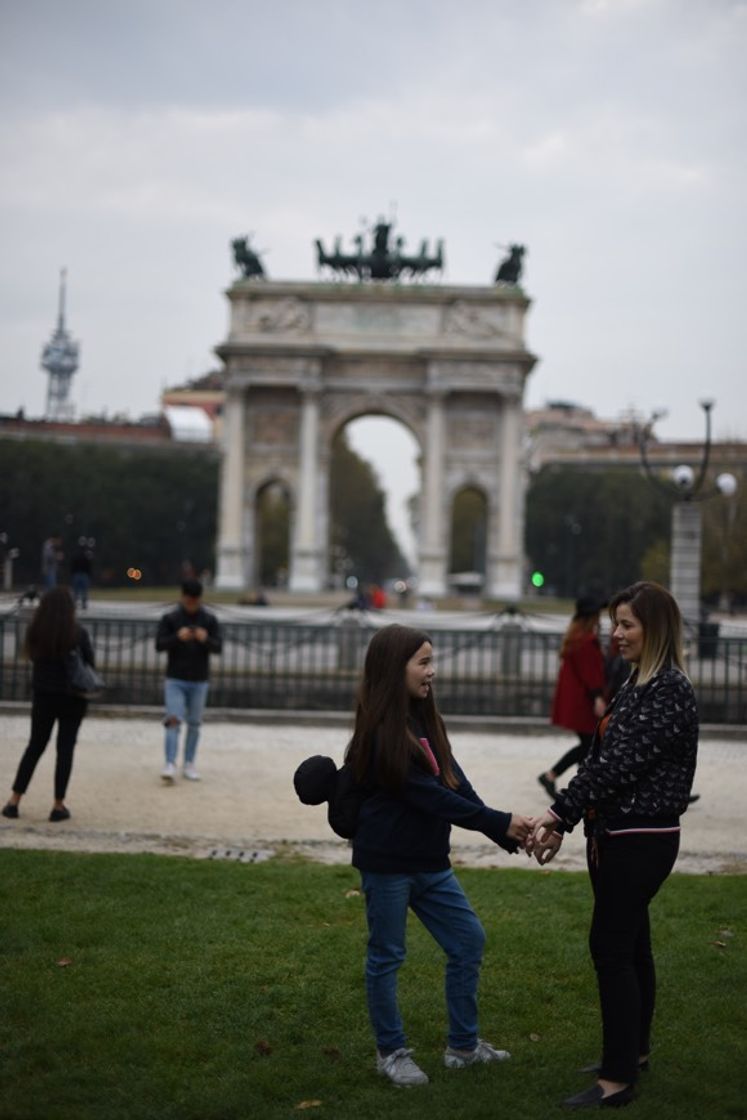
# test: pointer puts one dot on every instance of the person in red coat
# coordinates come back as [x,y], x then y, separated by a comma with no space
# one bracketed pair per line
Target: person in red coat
[579,700]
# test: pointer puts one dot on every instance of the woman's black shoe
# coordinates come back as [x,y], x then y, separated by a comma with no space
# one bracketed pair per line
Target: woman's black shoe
[548,786]
[594,1097]
[10,811]
[60,815]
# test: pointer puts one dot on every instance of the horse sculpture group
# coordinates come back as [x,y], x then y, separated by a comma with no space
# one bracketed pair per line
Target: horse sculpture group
[381,262]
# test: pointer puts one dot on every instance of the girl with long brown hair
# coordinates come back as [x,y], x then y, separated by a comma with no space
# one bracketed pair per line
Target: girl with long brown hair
[401,755]
[52,634]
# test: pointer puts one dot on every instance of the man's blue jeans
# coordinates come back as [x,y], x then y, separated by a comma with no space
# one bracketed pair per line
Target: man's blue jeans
[80,582]
[438,900]
[185,700]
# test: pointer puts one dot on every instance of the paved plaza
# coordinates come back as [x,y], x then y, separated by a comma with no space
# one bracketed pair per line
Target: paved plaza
[245,806]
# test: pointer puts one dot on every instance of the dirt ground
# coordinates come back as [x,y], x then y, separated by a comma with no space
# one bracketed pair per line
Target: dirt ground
[245,807]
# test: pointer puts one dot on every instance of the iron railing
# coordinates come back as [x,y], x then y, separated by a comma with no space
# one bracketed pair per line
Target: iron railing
[499,670]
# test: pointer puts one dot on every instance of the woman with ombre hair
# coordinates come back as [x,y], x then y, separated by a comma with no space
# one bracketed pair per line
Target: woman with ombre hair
[631,792]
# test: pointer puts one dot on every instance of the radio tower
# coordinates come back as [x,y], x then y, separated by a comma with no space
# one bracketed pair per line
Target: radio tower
[60,360]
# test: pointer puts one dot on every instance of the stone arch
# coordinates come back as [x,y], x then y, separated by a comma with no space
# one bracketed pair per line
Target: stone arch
[447,362]
[468,536]
[342,409]
[392,448]
[272,517]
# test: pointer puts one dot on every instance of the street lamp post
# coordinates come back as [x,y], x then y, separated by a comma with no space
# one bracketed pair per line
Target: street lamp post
[687,488]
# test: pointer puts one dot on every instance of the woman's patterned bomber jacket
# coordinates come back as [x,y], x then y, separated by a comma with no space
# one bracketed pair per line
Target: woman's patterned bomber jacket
[639,774]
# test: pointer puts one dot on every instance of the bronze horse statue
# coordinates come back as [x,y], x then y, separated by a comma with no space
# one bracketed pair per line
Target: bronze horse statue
[509,270]
[246,258]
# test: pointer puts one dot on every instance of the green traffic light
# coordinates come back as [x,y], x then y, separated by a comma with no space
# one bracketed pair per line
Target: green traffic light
[538,580]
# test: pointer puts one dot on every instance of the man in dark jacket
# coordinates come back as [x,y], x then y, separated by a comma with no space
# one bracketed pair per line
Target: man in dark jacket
[188,634]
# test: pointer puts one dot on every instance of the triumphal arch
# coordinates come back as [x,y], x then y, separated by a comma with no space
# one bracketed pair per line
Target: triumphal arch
[302,359]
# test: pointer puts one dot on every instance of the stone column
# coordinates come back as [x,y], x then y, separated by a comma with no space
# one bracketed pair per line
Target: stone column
[306,554]
[684,574]
[232,561]
[432,567]
[506,553]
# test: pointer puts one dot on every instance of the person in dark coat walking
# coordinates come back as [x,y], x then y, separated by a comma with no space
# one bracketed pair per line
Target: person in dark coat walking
[52,634]
[579,693]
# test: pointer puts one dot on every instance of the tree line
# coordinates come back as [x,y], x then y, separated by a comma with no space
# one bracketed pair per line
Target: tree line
[155,510]
[603,529]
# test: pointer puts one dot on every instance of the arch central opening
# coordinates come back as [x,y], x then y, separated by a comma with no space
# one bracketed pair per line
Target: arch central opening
[375,484]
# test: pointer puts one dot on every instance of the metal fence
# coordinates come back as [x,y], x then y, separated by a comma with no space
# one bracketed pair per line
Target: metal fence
[500,670]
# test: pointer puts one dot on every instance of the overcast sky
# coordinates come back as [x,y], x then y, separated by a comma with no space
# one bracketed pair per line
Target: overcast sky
[608,136]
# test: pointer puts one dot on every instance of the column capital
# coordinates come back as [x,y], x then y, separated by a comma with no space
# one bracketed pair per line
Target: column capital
[310,387]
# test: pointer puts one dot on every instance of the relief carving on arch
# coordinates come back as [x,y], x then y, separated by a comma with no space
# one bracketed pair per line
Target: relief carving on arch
[472,432]
[287,316]
[270,426]
[465,318]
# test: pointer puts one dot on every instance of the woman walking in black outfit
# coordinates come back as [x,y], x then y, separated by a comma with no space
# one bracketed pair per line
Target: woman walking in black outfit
[53,632]
[631,791]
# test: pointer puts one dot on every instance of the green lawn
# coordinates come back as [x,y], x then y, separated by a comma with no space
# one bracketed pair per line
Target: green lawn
[219,991]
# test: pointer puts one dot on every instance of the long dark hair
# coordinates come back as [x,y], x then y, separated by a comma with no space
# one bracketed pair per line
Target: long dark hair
[386,716]
[53,630]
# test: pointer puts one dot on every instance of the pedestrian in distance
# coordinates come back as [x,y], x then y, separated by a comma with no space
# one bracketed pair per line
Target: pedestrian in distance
[415,791]
[81,571]
[51,636]
[52,557]
[188,635]
[578,702]
[631,792]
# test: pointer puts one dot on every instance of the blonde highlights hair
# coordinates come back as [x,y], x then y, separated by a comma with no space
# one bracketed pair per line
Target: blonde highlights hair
[658,613]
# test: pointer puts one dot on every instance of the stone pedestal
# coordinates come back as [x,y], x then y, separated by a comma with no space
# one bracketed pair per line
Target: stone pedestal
[686,543]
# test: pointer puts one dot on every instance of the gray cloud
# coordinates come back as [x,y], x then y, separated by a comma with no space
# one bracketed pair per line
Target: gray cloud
[608,135]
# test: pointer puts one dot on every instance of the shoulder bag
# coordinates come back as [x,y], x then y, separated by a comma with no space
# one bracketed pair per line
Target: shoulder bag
[83,679]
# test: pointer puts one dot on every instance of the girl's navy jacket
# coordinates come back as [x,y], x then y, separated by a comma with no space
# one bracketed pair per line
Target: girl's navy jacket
[409,832]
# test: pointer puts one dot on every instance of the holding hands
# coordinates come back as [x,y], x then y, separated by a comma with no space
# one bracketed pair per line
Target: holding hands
[536,835]
[544,841]
[520,829]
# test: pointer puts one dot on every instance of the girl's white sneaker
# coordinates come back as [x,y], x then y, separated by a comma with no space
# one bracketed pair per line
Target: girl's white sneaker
[483,1052]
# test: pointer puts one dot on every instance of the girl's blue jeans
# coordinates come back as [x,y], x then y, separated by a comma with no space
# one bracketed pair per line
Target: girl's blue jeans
[438,900]
[184,700]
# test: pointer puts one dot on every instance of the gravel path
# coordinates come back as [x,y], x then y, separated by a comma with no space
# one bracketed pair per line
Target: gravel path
[245,807]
